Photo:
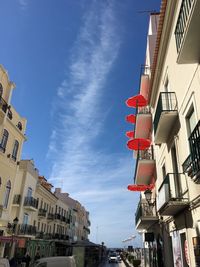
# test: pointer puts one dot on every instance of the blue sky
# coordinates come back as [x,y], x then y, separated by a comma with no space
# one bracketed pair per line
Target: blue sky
[74,63]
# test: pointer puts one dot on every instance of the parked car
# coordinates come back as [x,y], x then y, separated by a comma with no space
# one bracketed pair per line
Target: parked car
[119,258]
[4,262]
[113,257]
[56,262]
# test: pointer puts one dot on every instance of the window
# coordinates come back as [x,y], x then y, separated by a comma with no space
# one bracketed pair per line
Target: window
[25,219]
[19,125]
[4,140]
[1,90]
[29,192]
[15,150]
[10,114]
[191,121]
[7,194]
[38,226]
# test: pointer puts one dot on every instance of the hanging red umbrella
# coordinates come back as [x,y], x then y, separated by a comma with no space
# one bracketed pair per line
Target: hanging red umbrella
[138,144]
[130,134]
[136,101]
[131,118]
[141,187]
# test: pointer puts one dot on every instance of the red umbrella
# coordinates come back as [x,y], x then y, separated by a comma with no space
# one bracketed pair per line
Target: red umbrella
[136,101]
[131,118]
[130,134]
[141,187]
[138,144]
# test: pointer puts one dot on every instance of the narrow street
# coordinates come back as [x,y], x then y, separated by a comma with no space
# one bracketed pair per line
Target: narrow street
[107,264]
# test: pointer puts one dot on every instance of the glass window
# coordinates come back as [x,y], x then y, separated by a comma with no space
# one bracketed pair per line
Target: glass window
[19,125]
[7,194]
[10,114]
[4,140]
[25,219]
[191,121]
[29,192]
[15,150]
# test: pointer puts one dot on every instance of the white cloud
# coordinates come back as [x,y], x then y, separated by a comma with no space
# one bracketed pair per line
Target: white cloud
[23,4]
[95,178]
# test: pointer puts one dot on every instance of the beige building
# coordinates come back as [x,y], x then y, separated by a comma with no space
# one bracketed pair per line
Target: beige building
[12,137]
[172,216]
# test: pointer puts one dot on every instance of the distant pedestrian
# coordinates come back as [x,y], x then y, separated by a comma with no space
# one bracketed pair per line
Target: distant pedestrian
[27,259]
[37,256]
[13,262]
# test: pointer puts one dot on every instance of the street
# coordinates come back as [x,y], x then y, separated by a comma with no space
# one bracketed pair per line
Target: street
[107,264]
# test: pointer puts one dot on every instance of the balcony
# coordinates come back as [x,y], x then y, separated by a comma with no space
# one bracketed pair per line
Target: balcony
[57,216]
[187,32]
[166,116]
[39,235]
[191,166]
[16,200]
[171,197]
[50,216]
[30,203]
[145,166]
[42,213]
[26,229]
[143,123]
[146,215]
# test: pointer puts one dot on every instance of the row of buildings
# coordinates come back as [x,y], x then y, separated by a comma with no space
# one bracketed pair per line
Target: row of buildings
[166,138]
[32,216]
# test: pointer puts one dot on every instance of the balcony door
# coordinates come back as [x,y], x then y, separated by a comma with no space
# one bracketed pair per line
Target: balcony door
[29,192]
[177,182]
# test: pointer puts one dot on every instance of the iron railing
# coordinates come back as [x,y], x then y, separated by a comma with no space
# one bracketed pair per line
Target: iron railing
[145,210]
[26,229]
[30,201]
[167,102]
[50,216]
[17,199]
[192,163]
[181,24]
[42,212]
[171,189]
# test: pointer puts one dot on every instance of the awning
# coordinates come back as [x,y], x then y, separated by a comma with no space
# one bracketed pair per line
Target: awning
[130,134]
[139,188]
[138,144]
[136,101]
[131,118]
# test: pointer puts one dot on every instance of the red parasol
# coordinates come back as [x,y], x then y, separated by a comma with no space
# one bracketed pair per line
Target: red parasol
[141,187]
[130,134]
[136,101]
[131,118]
[138,144]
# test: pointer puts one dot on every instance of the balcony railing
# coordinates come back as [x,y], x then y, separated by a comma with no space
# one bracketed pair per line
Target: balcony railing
[165,115]
[31,202]
[3,105]
[42,213]
[57,216]
[171,194]
[50,216]
[16,199]
[26,229]
[145,158]
[146,214]
[184,14]
[192,163]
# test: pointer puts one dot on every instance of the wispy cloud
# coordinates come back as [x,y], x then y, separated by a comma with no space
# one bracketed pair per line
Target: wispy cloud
[94,177]
[23,4]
